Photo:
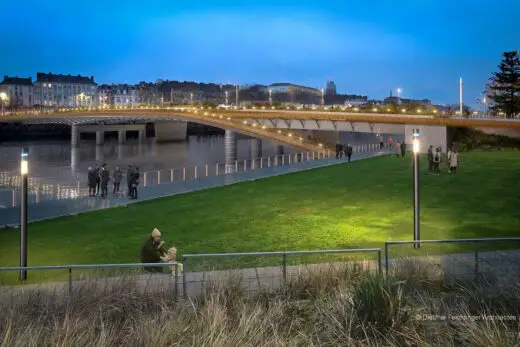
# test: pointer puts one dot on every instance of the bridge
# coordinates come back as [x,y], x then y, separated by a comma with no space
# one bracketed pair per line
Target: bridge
[306,130]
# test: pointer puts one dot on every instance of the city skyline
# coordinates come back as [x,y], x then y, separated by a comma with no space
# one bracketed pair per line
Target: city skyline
[367,50]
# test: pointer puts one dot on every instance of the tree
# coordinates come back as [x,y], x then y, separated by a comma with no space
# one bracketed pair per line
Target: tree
[504,86]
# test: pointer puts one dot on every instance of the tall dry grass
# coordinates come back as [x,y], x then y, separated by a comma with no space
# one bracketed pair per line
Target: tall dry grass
[340,306]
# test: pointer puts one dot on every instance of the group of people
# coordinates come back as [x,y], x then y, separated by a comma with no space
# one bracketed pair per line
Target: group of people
[435,157]
[344,151]
[99,177]
[400,149]
[153,251]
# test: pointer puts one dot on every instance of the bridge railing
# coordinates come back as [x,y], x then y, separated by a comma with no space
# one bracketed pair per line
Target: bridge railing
[40,190]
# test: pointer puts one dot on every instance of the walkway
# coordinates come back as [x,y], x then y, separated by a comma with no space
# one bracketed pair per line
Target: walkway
[56,208]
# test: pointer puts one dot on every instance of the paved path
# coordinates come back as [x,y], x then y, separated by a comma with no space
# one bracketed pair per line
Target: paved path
[55,208]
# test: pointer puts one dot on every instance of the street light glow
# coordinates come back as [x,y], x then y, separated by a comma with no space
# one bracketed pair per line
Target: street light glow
[3,96]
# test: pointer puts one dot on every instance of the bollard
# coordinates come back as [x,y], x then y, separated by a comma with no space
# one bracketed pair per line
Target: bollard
[59,192]
[253,163]
[283,159]
[289,157]
[184,174]
[261,163]
[236,165]
[216,169]
[14,197]
[145,176]
[268,161]
[312,155]
[158,176]
[308,156]
[195,172]
[275,160]
[245,164]
[171,175]
[79,189]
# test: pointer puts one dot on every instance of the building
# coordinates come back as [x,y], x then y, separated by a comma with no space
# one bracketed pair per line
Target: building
[19,92]
[56,90]
[117,95]
[292,88]
[398,101]
[355,100]
[148,93]
[330,88]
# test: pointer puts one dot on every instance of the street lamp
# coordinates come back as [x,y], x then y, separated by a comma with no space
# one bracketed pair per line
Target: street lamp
[399,90]
[237,90]
[270,96]
[322,97]
[3,97]
[416,209]
[24,170]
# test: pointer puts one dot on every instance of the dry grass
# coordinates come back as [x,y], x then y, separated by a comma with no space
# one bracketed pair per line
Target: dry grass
[341,306]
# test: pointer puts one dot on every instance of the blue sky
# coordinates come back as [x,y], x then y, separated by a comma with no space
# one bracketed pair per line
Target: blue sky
[367,47]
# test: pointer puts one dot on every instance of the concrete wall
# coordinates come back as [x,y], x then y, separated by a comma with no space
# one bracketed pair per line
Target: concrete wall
[170,131]
[429,135]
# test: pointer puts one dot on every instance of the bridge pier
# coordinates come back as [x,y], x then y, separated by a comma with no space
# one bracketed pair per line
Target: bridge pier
[170,131]
[100,137]
[74,136]
[74,158]
[121,136]
[255,148]
[230,151]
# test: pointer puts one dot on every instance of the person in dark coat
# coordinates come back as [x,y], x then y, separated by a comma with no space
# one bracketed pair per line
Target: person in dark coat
[98,178]
[105,177]
[430,159]
[338,150]
[91,177]
[348,151]
[403,149]
[135,182]
[129,178]
[153,251]
[117,178]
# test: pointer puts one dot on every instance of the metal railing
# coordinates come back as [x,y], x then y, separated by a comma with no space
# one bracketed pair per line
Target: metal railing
[277,274]
[70,269]
[459,257]
[40,191]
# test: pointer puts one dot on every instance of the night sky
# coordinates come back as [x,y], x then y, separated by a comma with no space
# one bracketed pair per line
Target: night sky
[367,47]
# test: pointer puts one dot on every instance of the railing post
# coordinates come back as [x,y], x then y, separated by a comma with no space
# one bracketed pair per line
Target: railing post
[379,269]
[476,266]
[236,165]
[275,160]
[59,192]
[14,197]
[79,189]
[386,258]
[308,156]
[283,159]
[38,193]
[312,155]
[184,284]
[176,281]
[289,159]
[245,164]
[70,281]
[145,176]
[195,172]
[216,169]
[158,176]
[207,170]
[268,161]
[284,267]
[184,173]
[171,175]
[261,163]
[253,162]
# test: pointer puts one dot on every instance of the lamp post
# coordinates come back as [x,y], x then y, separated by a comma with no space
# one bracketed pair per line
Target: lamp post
[416,208]
[399,96]
[24,170]
[237,94]
[322,97]
[270,96]
[3,97]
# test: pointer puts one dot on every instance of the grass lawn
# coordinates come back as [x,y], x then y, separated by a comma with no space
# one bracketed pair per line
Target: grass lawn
[361,204]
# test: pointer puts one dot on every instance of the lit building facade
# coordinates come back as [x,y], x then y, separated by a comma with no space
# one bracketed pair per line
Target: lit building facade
[56,90]
[19,92]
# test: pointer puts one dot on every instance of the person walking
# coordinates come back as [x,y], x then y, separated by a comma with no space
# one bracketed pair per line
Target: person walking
[338,150]
[437,160]
[91,178]
[98,178]
[129,179]
[348,151]
[454,161]
[430,159]
[389,141]
[397,149]
[117,178]
[403,149]
[381,142]
[105,177]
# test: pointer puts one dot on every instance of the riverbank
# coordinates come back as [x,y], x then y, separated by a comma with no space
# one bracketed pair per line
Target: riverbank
[343,206]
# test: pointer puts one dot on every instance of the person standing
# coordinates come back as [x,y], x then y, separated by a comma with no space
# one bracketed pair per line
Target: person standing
[381,142]
[403,149]
[91,178]
[436,161]
[430,159]
[338,150]
[454,161]
[129,179]
[105,177]
[397,149]
[98,178]
[389,141]
[117,177]
[135,182]
[348,151]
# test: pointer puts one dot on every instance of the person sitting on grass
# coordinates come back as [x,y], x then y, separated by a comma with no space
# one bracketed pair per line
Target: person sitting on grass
[171,257]
[153,251]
